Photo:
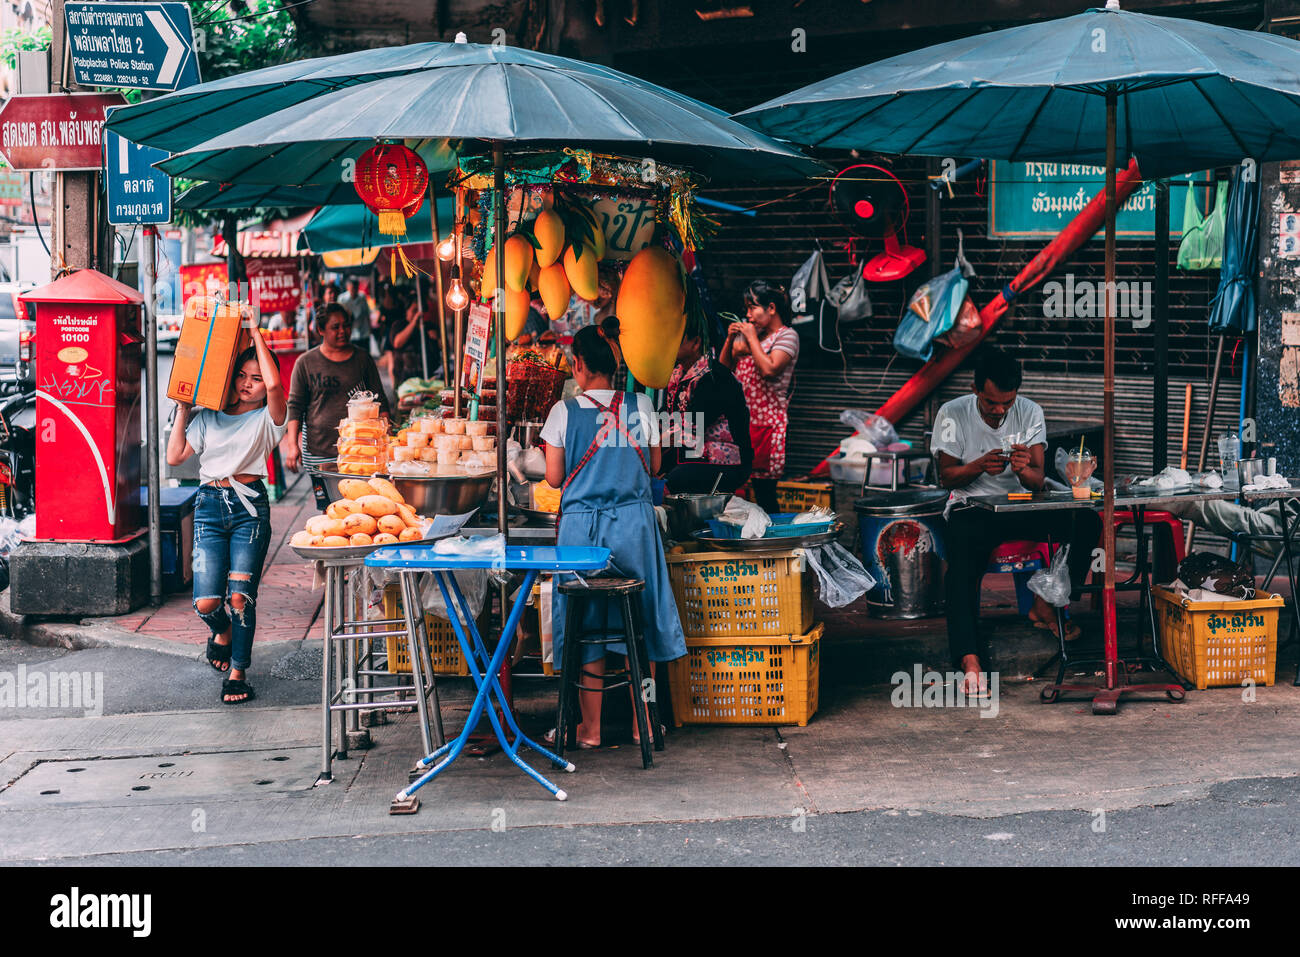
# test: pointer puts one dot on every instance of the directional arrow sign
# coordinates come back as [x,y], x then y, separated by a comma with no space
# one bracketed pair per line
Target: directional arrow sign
[62,131]
[137,193]
[141,46]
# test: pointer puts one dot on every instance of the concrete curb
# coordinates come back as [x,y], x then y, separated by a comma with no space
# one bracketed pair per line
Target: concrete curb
[84,633]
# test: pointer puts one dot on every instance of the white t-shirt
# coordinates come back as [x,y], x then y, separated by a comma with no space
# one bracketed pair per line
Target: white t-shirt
[557,422]
[959,431]
[229,445]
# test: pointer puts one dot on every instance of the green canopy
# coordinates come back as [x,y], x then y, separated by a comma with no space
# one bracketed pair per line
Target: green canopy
[354,226]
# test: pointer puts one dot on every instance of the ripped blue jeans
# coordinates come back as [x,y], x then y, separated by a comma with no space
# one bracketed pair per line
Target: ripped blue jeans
[229,548]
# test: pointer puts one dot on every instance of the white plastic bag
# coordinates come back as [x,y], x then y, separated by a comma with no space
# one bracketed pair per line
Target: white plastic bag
[1053,584]
[880,432]
[754,522]
[841,578]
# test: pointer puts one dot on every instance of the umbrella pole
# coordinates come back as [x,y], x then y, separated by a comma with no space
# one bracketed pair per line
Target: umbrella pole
[424,351]
[499,323]
[1108,410]
[437,272]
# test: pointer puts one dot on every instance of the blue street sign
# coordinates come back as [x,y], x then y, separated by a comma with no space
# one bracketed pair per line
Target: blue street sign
[138,194]
[140,46]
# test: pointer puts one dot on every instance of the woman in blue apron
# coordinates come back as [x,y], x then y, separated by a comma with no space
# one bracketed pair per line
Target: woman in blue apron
[601,449]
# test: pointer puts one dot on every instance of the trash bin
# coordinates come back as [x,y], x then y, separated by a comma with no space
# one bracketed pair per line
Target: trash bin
[176,514]
[902,535]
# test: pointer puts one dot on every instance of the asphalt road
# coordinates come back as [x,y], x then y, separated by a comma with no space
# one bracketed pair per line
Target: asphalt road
[1245,823]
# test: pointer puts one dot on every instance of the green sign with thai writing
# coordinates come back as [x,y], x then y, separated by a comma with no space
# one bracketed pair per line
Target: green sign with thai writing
[1028,200]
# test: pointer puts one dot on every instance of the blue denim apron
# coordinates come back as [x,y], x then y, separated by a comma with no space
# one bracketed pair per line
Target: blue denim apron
[608,504]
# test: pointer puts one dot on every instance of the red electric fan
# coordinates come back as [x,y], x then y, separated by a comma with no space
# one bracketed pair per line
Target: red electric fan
[873,205]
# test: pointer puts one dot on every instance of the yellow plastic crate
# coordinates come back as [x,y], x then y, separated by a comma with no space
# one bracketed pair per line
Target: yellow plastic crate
[747,681]
[444,650]
[725,594]
[801,496]
[1215,644]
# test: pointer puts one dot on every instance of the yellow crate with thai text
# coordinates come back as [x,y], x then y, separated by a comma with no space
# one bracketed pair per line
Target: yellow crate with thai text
[726,594]
[445,653]
[802,496]
[769,681]
[1218,644]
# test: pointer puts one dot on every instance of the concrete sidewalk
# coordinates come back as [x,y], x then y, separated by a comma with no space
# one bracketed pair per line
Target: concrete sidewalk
[287,606]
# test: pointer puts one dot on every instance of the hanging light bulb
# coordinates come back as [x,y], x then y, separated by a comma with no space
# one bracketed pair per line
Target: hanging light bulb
[457,299]
[447,249]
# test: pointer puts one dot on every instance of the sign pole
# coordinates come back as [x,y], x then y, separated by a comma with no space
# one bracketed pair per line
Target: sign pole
[150,264]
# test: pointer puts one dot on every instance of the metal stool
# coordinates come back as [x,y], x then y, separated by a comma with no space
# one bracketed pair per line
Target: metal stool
[581,595]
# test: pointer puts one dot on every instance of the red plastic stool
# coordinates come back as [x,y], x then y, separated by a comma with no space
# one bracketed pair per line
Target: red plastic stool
[1019,560]
[1168,519]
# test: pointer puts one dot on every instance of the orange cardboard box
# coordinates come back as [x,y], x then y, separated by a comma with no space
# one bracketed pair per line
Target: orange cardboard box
[213,333]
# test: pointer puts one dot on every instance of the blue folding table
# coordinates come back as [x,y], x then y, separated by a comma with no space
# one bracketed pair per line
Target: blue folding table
[410,559]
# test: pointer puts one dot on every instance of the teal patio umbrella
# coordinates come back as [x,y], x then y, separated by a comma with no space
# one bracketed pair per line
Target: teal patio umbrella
[354,226]
[297,122]
[1105,85]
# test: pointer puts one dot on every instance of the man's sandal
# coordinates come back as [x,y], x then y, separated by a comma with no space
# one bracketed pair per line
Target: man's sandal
[236,686]
[218,655]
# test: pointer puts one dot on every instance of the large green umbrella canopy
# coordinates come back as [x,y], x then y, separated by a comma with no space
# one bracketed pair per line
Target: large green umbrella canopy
[280,125]
[226,196]
[1190,96]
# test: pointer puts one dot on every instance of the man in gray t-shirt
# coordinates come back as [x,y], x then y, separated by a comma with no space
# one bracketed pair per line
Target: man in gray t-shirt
[992,442]
[323,380]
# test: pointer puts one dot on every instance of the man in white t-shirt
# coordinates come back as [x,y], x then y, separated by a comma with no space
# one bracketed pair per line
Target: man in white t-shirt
[992,442]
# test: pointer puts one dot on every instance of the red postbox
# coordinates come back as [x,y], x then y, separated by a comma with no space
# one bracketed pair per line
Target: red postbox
[87,408]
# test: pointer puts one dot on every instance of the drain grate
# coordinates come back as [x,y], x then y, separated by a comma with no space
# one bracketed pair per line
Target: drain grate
[149,779]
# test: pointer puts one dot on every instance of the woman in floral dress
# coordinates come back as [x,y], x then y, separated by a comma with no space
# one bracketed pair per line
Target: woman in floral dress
[762,351]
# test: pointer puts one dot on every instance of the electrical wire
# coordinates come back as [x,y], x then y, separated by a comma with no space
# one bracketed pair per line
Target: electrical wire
[254,16]
[31,193]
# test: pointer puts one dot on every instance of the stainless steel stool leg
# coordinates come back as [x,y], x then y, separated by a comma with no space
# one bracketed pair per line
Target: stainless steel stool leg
[430,678]
[327,685]
[340,666]
[410,610]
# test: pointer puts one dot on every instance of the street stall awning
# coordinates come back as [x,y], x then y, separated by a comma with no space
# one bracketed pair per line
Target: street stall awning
[356,227]
[264,244]
[231,196]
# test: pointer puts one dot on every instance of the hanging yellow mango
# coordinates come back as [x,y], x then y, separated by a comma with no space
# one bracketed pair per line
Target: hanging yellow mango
[651,311]
[548,227]
[554,286]
[519,260]
[580,268]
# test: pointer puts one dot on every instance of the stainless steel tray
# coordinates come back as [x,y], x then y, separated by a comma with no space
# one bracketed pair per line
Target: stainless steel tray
[769,544]
[313,553]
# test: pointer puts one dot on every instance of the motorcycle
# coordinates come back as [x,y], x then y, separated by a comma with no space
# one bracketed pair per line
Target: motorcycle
[18,456]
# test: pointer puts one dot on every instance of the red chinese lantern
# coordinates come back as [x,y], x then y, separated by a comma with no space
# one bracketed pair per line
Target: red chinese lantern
[391,180]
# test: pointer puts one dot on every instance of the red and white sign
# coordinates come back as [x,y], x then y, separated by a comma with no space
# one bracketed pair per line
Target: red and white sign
[476,344]
[61,131]
[274,285]
[204,279]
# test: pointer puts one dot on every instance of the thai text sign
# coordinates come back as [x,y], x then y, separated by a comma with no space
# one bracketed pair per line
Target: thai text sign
[1040,199]
[138,46]
[61,131]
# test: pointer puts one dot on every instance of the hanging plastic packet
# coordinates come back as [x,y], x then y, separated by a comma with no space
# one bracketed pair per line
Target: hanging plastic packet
[1053,584]
[841,578]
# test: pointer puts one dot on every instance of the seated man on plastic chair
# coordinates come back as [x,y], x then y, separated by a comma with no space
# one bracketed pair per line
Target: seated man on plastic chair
[970,434]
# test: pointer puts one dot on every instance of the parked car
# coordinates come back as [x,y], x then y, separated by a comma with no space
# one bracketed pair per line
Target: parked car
[17,335]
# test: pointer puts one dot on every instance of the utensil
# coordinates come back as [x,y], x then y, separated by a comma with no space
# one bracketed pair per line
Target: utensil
[706,537]
[1248,470]
[716,482]
[688,511]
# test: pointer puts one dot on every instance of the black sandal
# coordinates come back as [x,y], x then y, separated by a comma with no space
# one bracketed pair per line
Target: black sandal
[237,686]
[215,654]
